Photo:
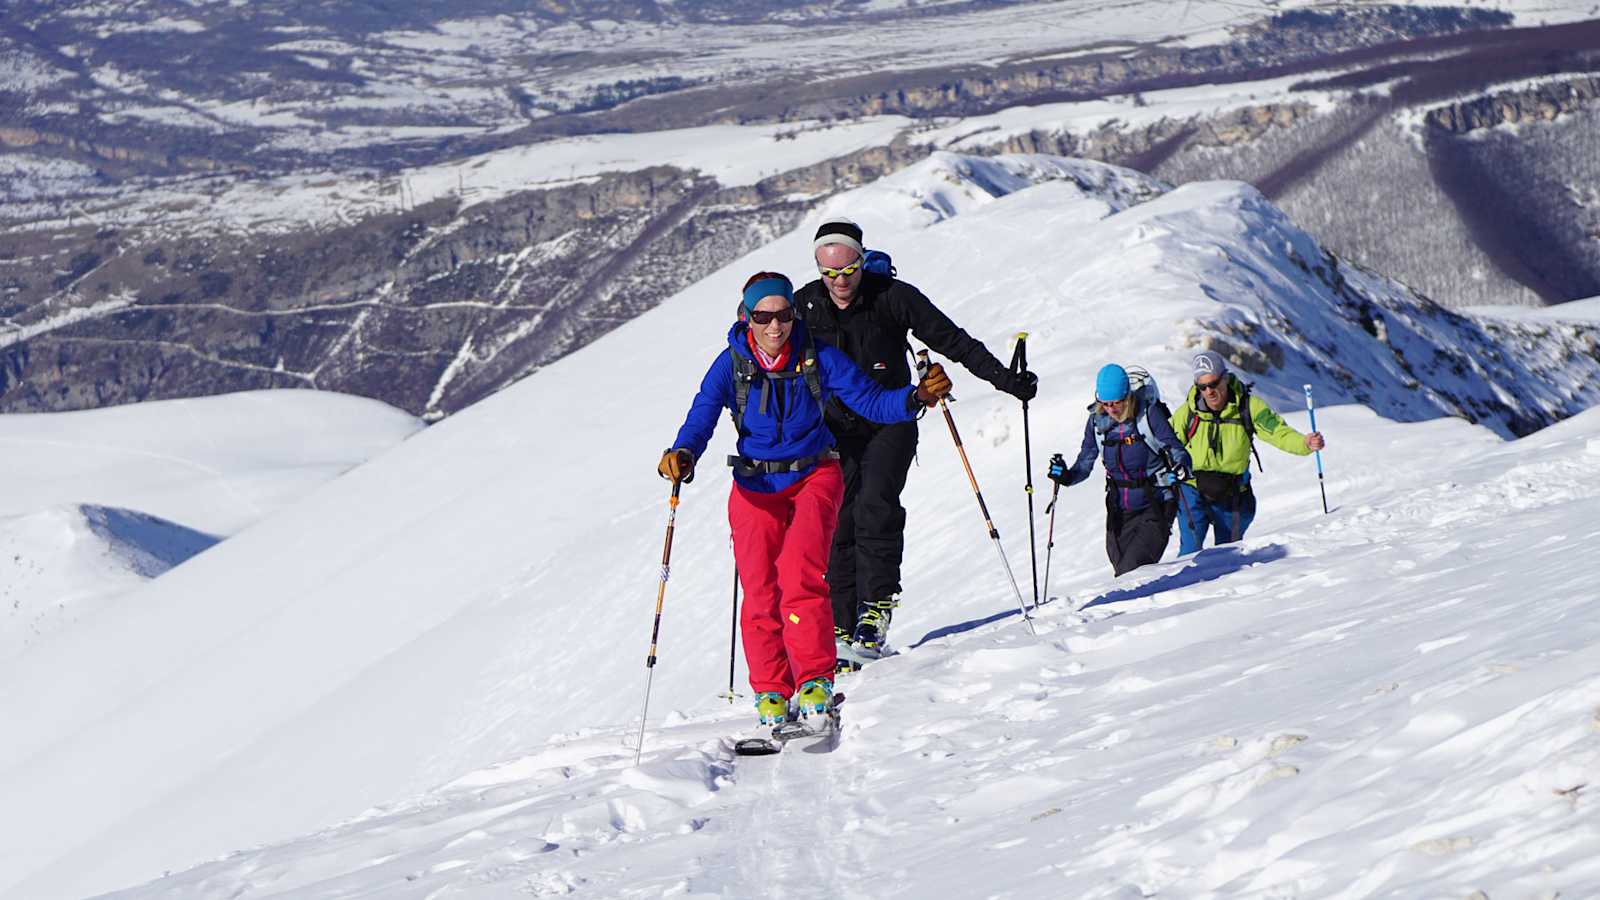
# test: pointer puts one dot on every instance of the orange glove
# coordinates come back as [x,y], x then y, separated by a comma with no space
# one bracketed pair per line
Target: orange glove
[934,385]
[677,465]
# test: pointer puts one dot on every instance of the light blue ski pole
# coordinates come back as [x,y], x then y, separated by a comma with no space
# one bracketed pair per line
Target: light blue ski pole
[1321,484]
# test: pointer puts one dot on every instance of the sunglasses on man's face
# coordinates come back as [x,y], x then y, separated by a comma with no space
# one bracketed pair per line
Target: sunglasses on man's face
[1213,385]
[765,316]
[845,272]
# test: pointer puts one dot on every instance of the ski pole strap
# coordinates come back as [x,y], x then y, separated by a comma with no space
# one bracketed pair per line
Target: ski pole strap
[1019,355]
[750,468]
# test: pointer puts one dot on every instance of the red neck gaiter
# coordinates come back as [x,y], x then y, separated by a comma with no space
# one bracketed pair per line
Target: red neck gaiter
[762,359]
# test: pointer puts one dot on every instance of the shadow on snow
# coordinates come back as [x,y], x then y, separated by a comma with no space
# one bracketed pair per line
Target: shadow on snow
[1207,565]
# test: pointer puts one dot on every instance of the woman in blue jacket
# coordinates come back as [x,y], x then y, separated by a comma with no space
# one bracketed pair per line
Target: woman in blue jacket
[1130,433]
[784,505]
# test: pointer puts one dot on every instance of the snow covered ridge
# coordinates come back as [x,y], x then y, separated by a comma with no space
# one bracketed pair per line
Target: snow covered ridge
[1281,308]
[1292,313]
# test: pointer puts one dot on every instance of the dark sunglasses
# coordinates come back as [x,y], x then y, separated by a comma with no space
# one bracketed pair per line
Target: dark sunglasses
[765,316]
[1213,385]
[845,272]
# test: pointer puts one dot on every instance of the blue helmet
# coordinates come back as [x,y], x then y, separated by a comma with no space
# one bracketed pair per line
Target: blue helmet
[1111,383]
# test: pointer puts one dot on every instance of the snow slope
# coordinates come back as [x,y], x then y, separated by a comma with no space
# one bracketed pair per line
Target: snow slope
[65,561]
[93,504]
[1334,708]
[216,464]
[471,610]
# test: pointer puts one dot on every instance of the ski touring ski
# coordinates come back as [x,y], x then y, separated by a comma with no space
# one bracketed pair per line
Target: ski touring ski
[817,735]
[851,657]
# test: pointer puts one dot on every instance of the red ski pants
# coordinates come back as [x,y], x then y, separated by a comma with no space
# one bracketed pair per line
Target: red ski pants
[780,547]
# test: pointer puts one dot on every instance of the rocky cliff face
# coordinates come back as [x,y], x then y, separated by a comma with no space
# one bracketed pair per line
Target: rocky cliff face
[152,157]
[428,309]
[1145,148]
[1281,42]
[1539,103]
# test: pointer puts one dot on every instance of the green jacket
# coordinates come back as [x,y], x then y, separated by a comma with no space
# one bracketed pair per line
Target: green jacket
[1219,443]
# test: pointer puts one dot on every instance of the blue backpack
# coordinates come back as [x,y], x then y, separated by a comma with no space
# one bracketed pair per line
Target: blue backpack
[878,263]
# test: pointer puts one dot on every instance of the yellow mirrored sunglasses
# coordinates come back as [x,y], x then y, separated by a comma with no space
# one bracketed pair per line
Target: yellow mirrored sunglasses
[845,272]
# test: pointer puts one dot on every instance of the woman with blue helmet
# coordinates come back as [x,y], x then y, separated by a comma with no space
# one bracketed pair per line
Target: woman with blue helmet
[1128,429]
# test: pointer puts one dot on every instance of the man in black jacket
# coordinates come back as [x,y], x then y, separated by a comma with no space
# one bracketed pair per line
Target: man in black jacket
[867,315]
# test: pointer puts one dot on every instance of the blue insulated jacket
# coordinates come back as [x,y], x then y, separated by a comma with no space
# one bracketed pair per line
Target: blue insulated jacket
[1126,456]
[790,426]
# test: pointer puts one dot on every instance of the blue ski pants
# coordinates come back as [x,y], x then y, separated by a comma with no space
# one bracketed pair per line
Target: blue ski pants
[1197,514]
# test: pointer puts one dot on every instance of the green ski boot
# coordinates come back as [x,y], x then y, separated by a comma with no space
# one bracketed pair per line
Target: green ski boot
[814,697]
[872,626]
[771,708]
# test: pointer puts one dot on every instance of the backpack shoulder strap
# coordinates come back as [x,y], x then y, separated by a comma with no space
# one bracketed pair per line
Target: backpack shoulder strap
[1248,418]
[808,368]
[744,373]
[1153,408]
[1192,424]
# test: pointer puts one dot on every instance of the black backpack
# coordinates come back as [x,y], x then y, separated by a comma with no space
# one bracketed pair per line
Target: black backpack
[745,373]
[1245,419]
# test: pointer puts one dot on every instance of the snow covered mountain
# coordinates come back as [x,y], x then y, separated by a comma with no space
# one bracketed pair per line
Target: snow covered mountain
[418,680]
[423,203]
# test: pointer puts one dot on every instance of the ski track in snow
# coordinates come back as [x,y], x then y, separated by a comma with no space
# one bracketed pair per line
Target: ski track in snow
[1393,732]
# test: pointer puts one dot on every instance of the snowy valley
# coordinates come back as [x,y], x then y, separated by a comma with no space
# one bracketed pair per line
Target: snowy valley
[425,203]
[422,678]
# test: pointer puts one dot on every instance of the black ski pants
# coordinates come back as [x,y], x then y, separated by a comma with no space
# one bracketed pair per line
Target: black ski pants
[870,541]
[1136,538]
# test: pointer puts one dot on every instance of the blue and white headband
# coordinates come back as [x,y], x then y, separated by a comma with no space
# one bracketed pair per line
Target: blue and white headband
[767,287]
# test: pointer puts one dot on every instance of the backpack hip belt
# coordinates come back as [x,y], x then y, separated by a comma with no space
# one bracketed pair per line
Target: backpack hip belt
[750,468]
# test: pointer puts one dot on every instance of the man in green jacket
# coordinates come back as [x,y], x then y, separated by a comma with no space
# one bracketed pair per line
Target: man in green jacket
[1213,426]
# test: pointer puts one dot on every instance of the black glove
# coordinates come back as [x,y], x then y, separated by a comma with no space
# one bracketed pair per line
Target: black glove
[1058,470]
[1176,471]
[1022,385]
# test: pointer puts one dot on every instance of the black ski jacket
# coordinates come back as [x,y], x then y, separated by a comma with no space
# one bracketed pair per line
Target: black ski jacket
[872,331]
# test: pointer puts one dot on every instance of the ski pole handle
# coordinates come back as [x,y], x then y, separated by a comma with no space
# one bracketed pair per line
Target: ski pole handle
[1322,484]
[1312,410]
[1019,355]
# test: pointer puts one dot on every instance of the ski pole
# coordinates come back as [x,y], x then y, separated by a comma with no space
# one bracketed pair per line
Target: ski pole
[655,631]
[1019,364]
[733,633]
[1050,538]
[1177,488]
[1188,514]
[1322,485]
[988,521]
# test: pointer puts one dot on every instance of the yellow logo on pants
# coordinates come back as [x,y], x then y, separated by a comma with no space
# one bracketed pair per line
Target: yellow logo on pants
[794,618]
